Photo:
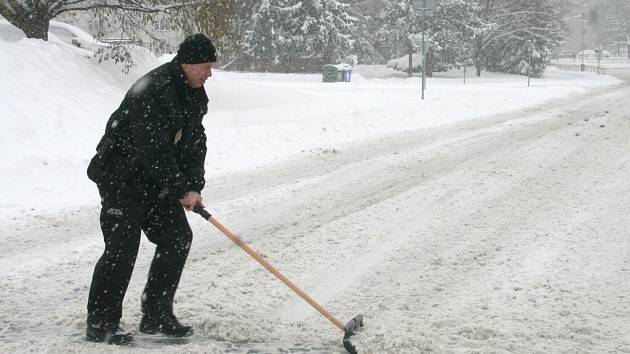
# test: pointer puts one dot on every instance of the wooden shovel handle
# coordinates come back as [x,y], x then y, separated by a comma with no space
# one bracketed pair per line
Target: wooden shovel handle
[269,267]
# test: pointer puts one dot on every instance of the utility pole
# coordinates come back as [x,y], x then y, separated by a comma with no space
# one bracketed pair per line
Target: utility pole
[582,66]
[529,66]
[410,44]
[599,57]
[422,53]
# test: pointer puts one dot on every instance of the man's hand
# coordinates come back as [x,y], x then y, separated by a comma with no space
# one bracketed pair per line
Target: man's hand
[191,200]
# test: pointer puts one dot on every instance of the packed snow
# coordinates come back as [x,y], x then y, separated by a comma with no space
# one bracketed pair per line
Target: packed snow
[490,217]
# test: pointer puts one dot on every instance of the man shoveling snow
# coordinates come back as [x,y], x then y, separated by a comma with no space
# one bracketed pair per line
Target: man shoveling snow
[149,167]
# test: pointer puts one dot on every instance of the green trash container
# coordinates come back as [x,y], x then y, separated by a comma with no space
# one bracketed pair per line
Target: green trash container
[330,73]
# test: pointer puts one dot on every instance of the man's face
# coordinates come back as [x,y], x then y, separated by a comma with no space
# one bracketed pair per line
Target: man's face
[197,74]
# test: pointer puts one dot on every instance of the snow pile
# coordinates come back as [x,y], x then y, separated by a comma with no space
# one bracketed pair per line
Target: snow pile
[54,100]
[53,103]
[83,44]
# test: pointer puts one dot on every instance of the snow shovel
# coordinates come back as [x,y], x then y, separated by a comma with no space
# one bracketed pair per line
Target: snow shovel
[349,329]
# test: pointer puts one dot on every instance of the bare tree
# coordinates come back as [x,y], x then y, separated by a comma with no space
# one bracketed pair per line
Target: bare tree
[33,17]
[219,20]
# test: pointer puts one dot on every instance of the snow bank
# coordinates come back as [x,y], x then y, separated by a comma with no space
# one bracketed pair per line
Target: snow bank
[52,103]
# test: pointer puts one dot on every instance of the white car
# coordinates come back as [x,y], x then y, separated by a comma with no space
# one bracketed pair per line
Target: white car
[58,32]
[75,36]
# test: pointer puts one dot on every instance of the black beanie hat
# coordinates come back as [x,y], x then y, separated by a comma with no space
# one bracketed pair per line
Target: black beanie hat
[197,49]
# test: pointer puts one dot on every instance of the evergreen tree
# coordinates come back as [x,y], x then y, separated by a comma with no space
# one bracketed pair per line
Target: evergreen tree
[324,30]
[366,11]
[452,23]
[264,35]
[521,32]
[294,36]
[397,25]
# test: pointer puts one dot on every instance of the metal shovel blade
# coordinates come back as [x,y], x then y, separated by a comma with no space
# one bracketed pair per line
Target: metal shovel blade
[350,329]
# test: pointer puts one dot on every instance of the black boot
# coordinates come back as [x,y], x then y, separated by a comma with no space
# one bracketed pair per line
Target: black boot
[110,333]
[166,324]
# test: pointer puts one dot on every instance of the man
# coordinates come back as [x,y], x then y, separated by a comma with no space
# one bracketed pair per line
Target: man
[149,167]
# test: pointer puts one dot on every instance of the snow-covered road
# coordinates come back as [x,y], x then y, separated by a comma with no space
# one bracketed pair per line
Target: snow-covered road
[504,234]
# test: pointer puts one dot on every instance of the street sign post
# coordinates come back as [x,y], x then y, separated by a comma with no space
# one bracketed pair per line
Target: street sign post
[425,7]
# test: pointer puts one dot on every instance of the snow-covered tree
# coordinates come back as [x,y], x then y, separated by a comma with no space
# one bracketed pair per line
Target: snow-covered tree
[397,25]
[612,22]
[365,11]
[324,30]
[453,23]
[519,30]
[294,35]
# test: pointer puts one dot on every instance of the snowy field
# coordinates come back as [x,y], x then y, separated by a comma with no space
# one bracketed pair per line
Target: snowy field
[489,218]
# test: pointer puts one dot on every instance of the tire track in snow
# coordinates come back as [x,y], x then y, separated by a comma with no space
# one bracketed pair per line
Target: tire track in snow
[519,249]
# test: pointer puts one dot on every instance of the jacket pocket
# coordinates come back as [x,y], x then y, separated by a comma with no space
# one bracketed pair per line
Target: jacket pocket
[114,162]
[97,169]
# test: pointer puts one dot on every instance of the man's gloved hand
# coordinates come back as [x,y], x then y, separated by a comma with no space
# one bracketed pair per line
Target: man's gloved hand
[191,200]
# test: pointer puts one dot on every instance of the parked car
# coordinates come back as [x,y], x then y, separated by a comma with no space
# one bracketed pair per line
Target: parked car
[75,36]
[441,67]
[566,55]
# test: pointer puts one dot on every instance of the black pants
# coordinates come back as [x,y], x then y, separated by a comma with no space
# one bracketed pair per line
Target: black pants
[123,215]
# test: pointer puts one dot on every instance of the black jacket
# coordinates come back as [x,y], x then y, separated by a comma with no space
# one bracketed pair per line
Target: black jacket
[156,137]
